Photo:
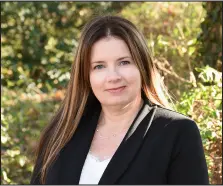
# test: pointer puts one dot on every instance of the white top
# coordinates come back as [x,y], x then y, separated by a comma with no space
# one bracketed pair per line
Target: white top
[93,169]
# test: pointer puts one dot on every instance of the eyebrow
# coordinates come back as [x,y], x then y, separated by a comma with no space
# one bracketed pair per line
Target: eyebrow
[121,58]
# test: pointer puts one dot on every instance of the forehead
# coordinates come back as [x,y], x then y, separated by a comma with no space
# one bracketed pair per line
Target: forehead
[109,48]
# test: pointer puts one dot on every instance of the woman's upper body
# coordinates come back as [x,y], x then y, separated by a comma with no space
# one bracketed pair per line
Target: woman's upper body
[115,107]
[171,152]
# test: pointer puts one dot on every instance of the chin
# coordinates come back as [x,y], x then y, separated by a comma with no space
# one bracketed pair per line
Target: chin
[116,101]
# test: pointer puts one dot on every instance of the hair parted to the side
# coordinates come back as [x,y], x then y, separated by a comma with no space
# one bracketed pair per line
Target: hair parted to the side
[64,123]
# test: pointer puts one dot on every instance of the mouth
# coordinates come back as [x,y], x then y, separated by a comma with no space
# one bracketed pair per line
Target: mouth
[115,90]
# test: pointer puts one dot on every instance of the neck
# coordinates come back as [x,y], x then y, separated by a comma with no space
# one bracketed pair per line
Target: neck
[120,115]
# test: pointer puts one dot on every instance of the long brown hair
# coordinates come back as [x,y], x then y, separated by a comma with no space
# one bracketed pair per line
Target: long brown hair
[64,123]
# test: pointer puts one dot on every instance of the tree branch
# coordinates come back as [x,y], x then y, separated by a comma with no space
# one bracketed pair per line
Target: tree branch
[163,65]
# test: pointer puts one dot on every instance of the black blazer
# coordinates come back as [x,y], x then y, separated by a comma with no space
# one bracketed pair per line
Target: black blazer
[161,147]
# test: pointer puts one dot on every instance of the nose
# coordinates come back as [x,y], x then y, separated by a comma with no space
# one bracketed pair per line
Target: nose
[113,76]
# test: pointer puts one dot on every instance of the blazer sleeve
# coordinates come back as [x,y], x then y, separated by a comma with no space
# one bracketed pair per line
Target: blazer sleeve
[188,164]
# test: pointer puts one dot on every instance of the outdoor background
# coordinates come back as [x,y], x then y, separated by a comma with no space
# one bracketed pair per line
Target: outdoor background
[38,41]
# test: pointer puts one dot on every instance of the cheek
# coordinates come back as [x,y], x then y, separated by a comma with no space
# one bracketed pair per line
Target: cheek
[132,76]
[96,81]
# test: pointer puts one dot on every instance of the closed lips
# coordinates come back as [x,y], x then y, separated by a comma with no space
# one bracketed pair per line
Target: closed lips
[116,88]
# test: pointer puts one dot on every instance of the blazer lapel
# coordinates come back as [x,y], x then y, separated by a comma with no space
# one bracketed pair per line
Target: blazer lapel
[128,148]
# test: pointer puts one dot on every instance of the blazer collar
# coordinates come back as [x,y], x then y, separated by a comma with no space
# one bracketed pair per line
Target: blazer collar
[72,158]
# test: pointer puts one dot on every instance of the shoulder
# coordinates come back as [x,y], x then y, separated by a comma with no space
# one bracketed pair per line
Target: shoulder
[169,114]
[175,120]
[180,130]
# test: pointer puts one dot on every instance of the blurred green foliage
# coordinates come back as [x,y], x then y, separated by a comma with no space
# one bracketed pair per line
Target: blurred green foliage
[38,42]
[23,116]
[204,105]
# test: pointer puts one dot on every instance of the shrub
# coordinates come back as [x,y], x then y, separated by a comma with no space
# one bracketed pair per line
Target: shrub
[204,105]
[23,116]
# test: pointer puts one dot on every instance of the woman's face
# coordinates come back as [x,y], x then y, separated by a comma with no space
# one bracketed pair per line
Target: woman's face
[112,67]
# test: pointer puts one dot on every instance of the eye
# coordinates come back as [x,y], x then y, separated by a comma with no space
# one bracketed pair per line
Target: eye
[124,62]
[98,67]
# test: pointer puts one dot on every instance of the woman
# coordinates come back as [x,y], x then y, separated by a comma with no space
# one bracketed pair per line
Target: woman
[114,125]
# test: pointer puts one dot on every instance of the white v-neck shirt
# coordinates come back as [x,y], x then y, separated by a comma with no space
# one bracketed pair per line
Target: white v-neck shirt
[93,169]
